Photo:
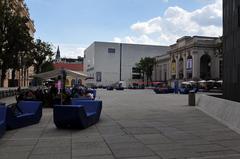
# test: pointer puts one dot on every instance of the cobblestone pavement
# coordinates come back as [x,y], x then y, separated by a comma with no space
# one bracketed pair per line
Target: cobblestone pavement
[135,124]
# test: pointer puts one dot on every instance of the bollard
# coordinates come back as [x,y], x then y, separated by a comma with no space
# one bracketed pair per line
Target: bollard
[191,98]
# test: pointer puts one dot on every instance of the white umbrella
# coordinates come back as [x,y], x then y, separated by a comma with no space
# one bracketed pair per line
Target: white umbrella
[192,81]
[210,81]
[220,81]
[202,81]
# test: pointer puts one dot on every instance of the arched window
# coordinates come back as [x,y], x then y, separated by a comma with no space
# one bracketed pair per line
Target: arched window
[72,82]
[205,67]
[189,67]
[180,68]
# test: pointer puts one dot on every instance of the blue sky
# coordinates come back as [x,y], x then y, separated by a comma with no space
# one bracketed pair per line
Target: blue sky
[75,24]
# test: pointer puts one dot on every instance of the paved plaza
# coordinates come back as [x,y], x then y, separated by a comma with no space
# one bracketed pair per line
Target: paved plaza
[135,124]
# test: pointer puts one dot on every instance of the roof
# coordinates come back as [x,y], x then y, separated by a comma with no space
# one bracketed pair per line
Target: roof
[70,66]
[58,72]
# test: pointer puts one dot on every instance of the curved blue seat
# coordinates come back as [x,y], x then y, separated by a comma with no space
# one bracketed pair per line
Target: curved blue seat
[81,114]
[2,119]
[30,112]
[90,106]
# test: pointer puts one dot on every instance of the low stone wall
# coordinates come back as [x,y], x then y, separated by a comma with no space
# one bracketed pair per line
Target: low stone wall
[225,111]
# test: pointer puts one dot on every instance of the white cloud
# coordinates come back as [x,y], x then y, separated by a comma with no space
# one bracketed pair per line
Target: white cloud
[70,50]
[177,22]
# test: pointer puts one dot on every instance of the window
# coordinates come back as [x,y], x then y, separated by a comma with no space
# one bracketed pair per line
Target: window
[98,76]
[135,70]
[136,76]
[111,50]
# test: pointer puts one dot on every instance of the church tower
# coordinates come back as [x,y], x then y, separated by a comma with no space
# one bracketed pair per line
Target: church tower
[58,56]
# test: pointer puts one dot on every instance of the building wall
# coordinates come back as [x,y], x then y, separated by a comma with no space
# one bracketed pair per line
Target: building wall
[196,47]
[231,49]
[161,71]
[98,59]
[132,54]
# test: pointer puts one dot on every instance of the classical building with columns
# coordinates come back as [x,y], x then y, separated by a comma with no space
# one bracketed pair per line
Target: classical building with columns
[161,71]
[190,58]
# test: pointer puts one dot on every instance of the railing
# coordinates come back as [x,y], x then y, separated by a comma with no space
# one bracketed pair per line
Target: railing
[9,92]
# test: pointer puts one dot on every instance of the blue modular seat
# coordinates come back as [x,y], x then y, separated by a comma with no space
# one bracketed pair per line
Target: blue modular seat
[83,98]
[90,106]
[26,113]
[81,114]
[2,119]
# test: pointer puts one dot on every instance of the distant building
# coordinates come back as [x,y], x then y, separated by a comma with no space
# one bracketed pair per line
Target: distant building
[68,63]
[190,58]
[108,63]
[231,49]
[161,71]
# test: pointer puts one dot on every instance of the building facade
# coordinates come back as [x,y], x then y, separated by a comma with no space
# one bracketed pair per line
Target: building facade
[231,49]
[108,63]
[70,64]
[161,71]
[193,58]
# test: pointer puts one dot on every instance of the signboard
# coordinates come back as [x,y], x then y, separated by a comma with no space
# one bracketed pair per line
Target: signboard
[189,64]
[173,66]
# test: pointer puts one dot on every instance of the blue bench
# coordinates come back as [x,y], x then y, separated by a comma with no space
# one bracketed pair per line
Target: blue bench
[82,98]
[29,113]
[2,119]
[81,114]
[91,106]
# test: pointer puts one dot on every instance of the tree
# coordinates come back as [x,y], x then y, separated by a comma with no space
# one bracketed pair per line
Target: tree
[42,54]
[15,41]
[146,66]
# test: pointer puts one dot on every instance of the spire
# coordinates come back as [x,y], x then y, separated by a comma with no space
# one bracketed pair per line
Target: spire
[58,57]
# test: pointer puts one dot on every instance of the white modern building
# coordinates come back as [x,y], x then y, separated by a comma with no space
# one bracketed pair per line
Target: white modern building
[108,63]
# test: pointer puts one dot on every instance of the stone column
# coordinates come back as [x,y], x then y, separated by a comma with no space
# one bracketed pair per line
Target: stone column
[196,65]
[177,69]
[184,66]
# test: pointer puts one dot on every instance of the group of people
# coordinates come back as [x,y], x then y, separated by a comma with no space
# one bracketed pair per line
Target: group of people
[51,95]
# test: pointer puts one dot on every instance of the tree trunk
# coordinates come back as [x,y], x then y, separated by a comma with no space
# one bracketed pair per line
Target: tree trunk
[13,78]
[3,77]
[147,80]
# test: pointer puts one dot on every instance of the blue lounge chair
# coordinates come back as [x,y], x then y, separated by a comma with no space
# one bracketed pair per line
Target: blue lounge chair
[2,119]
[78,116]
[28,113]
[91,106]
[83,98]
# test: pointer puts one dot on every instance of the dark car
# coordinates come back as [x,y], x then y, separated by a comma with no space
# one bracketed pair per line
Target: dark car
[109,88]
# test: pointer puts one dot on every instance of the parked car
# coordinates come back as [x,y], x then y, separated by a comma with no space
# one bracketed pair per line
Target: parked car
[109,88]
[186,87]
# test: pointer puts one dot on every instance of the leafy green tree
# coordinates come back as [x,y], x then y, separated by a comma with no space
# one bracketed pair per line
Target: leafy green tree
[146,66]
[15,41]
[42,55]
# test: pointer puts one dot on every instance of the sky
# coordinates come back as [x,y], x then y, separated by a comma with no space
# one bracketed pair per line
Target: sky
[73,25]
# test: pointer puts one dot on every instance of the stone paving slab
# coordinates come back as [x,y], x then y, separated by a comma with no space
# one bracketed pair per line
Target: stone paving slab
[135,124]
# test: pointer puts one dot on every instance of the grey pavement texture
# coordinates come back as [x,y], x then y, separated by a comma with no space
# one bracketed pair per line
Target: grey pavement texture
[135,124]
